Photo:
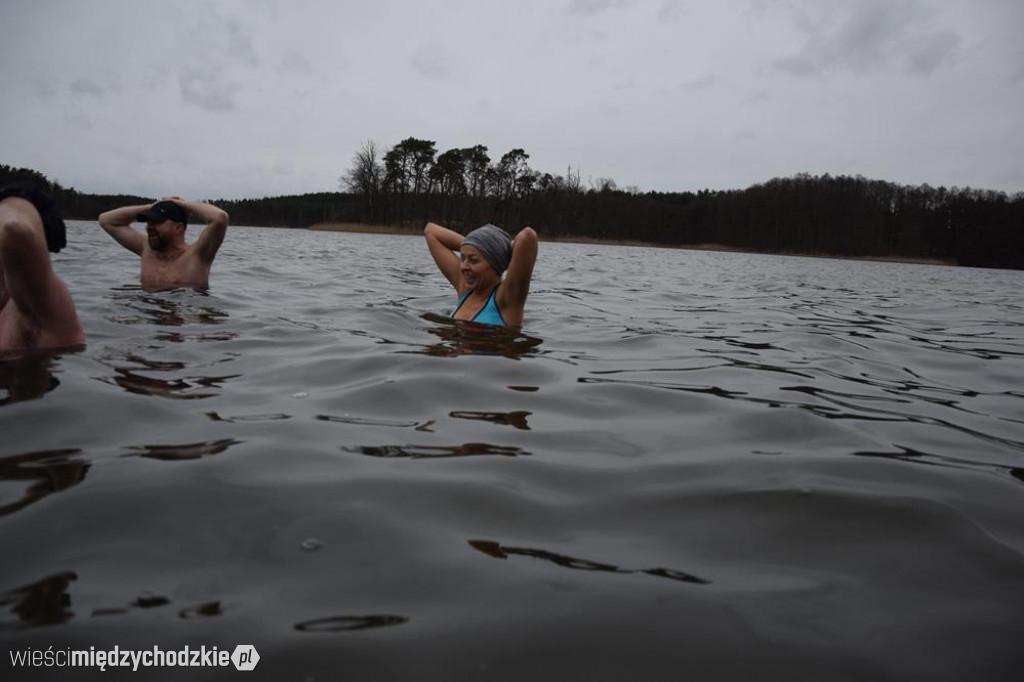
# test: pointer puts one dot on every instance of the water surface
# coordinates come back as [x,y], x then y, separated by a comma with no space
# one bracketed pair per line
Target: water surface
[687,464]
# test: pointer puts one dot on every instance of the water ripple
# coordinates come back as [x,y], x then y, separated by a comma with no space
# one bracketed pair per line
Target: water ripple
[685,460]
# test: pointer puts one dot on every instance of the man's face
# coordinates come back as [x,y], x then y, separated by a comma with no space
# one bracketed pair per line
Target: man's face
[161,235]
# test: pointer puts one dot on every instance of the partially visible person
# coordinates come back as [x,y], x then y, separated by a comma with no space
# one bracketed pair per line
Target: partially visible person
[476,273]
[36,310]
[167,259]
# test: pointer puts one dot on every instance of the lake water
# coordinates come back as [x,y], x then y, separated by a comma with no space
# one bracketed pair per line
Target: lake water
[688,465]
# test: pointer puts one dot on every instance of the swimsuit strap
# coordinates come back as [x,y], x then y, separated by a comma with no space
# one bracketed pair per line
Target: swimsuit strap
[462,299]
[490,313]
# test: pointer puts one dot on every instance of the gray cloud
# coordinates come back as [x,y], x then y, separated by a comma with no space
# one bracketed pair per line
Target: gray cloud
[589,8]
[430,63]
[702,83]
[45,88]
[294,64]
[670,11]
[79,121]
[867,36]
[208,90]
[84,86]
[240,43]
[748,135]
[934,51]
[860,41]
[756,97]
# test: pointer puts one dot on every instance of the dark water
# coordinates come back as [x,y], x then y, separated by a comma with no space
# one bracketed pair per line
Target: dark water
[688,466]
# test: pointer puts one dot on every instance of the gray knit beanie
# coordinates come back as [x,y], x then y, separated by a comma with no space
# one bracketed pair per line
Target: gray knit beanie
[494,243]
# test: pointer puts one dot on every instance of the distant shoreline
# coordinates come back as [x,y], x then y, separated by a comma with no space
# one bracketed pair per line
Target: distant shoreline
[410,230]
[367,228]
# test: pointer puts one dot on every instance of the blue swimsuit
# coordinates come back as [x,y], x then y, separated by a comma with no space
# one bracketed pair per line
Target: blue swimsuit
[489,314]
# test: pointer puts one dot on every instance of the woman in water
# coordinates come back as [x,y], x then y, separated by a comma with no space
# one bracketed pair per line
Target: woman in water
[484,254]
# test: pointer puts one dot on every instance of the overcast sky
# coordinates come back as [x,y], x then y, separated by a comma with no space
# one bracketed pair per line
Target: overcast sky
[220,99]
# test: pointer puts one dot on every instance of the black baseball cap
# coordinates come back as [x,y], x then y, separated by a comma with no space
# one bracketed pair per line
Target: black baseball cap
[163,210]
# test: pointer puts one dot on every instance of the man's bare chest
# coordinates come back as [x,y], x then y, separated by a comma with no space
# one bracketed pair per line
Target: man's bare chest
[184,269]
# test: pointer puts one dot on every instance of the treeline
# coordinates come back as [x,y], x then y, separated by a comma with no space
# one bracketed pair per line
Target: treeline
[294,211]
[463,188]
[843,216]
[285,211]
[72,203]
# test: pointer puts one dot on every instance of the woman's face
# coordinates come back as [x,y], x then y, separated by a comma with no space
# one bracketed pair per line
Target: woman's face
[475,269]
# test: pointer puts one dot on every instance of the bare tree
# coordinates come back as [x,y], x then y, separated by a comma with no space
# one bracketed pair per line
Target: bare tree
[365,176]
[572,181]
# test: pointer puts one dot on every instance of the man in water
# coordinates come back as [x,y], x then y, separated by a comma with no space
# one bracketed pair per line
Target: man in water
[167,260]
[36,310]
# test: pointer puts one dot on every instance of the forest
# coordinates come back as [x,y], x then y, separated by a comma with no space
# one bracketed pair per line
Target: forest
[804,214]
[411,183]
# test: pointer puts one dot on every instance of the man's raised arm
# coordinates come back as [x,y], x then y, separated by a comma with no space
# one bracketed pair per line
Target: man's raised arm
[216,220]
[118,224]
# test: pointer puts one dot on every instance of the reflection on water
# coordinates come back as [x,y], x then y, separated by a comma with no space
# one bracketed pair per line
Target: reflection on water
[435,451]
[27,377]
[48,602]
[840,406]
[175,337]
[499,551]
[350,623]
[459,337]
[187,388]
[184,452]
[204,610]
[906,454]
[133,363]
[147,601]
[44,602]
[163,307]
[421,426]
[345,419]
[49,471]
[515,419]
[182,388]
[247,417]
